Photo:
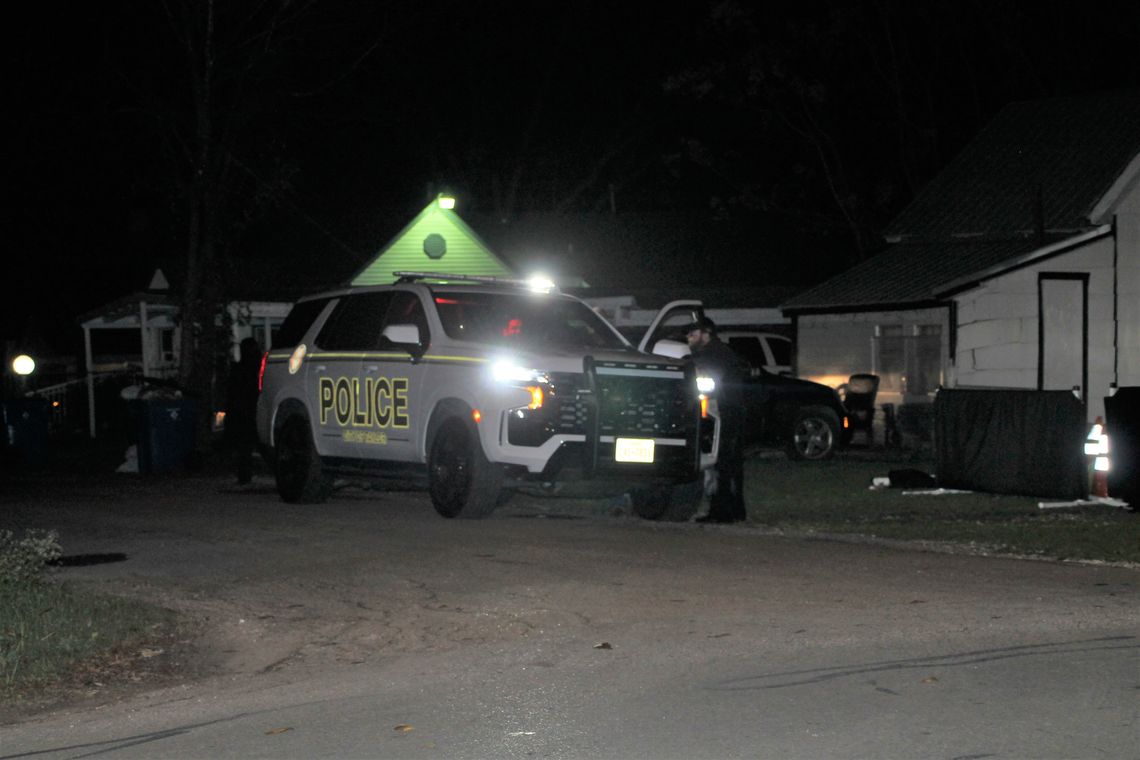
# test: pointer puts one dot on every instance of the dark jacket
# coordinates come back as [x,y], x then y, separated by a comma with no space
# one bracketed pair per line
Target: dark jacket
[727,368]
[241,396]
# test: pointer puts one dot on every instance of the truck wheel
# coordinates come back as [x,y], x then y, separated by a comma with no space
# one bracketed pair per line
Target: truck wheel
[461,480]
[300,475]
[815,435]
[670,503]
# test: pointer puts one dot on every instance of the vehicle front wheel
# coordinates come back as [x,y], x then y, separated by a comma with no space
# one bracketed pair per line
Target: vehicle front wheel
[461,480]
[301,478]
[670,503]
[815,435]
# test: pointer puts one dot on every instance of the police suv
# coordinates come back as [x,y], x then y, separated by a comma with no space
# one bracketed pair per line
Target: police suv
[479,386]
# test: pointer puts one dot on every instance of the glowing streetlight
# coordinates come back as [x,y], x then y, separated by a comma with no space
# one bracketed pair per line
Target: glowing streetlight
[23,365]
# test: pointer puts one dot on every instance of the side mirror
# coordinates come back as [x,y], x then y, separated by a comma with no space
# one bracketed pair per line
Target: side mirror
[674,349]
[407,335]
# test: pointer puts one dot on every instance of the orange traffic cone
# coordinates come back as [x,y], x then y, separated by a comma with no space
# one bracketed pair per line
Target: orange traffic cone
[1100,483]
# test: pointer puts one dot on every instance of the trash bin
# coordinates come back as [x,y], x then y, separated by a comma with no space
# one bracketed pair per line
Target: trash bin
[1122,421]
[26,429]
[164,431]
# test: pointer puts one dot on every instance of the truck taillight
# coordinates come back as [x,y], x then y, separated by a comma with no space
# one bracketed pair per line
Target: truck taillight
[261,371]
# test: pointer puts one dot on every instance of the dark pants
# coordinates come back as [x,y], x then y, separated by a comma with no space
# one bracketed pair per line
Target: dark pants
[728,501]
[241,437]
[243,463]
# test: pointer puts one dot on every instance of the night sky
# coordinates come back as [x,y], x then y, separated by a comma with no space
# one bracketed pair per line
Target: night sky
[809,123]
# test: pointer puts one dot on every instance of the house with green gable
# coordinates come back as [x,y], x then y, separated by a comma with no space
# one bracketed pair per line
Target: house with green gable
[437,240]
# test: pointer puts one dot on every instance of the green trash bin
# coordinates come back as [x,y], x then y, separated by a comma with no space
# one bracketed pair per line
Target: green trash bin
[164,433]
[26,429]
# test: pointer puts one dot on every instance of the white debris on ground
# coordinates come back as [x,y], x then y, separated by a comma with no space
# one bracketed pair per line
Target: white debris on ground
[1092,501]
[933,492]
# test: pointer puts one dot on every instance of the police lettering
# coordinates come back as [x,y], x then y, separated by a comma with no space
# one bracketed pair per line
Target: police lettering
[381,402]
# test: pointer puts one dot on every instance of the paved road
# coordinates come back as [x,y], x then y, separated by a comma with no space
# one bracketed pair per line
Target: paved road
[369,627]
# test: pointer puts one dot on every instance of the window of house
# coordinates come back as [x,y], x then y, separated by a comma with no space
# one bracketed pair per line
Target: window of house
[908,358]
[166,344]
[924,360]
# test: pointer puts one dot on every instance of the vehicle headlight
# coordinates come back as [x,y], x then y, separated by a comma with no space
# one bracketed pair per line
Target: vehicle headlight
[511,372]
[705,384]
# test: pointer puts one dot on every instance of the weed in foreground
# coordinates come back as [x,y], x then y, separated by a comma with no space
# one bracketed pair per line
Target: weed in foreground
[48,629]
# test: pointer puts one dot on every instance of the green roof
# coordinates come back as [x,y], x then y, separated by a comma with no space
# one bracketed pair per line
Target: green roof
[437,240]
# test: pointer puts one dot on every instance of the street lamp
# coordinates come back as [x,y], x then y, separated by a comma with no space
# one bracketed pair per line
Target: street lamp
[23,365]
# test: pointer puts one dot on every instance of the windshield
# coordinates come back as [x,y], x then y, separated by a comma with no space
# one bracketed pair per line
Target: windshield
[530,320]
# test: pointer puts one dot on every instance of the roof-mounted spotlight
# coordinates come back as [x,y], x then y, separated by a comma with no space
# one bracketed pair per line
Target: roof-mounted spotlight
[540,283]
[446,202]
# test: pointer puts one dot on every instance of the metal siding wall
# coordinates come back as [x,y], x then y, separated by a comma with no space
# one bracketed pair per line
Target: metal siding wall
[998,325]
[1128,289]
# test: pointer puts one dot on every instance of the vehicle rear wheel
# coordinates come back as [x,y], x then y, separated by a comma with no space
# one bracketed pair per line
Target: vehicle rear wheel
[815,435]
[301,478]
[669,503]
[461,480]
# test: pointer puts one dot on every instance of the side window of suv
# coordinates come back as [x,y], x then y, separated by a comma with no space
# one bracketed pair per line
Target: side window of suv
[355,323]
[300,318]
[406,309]
[781,349]
[749,347]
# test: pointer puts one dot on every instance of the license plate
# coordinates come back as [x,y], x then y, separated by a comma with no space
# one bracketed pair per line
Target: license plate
[634,450]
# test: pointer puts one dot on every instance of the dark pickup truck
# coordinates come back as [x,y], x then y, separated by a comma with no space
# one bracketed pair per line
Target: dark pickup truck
[805,418]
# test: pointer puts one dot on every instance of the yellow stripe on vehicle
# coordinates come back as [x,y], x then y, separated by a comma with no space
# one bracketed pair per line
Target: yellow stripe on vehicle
[476,359]
[364,355]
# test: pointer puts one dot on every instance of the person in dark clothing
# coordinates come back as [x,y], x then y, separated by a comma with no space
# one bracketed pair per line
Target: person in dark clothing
[241,408]
[728,369]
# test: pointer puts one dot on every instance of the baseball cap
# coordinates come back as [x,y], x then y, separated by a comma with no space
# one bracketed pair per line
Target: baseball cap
[701,323]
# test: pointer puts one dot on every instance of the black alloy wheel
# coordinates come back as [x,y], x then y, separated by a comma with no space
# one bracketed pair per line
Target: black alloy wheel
[297,465]
[461,480]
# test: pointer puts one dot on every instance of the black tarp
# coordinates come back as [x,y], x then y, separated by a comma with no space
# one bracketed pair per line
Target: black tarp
[1122,422]
[1011,442]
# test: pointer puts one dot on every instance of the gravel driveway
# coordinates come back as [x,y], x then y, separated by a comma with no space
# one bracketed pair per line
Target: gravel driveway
[284,594]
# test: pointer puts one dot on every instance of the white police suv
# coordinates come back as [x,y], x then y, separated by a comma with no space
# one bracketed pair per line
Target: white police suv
[478,386]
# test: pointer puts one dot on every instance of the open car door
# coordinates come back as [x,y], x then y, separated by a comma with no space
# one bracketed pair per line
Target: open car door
[666,333]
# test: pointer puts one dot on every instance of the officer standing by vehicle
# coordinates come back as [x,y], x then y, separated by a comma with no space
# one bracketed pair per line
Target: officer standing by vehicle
[241,408]
[716,360]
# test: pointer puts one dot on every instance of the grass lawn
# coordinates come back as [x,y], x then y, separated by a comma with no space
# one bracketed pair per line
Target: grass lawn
[834,497]
[49,632]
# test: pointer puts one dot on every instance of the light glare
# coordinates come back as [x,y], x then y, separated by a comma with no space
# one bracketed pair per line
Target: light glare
[540,283]
[23,365]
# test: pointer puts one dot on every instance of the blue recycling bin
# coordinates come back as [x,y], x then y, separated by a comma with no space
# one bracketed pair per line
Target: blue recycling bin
[164,433]
[26,429]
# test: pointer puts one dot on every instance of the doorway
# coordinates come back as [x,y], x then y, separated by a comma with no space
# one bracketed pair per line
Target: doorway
[1063,331]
